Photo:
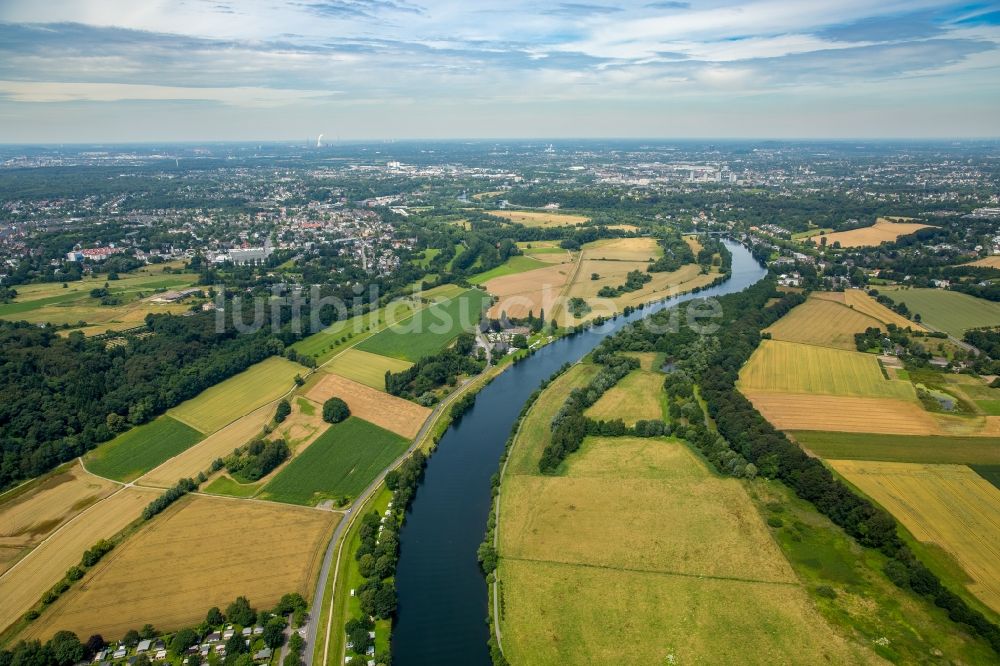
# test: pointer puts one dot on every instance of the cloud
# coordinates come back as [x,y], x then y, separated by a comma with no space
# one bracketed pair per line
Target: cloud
[572,9]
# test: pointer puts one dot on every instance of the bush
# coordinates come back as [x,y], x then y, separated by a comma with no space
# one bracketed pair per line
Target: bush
[335,410]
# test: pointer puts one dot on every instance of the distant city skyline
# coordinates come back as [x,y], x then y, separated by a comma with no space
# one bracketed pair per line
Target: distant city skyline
[204,70]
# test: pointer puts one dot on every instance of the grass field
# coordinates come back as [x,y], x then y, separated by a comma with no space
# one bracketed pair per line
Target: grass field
[540,219]
[947,505]
[201,552]
[365,367]
[512,266]
[862,302]
[227,401]
[948,311]
[787,367]
[430,330]
[343,461]
[790,411]
[386,411]
[636,397]
[22,586]
[325,344]
[822,322]
[883,231]
[28,518]
[219,444]
[225,485]
[133,453]
[901,448]
[992,261]
[692,576]
[535,431]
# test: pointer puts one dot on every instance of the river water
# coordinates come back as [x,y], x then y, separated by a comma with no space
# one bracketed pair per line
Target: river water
[443,609]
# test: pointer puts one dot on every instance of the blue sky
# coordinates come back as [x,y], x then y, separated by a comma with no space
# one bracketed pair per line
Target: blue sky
[121,70]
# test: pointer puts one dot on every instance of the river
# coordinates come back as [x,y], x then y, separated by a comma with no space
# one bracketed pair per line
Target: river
[442,614]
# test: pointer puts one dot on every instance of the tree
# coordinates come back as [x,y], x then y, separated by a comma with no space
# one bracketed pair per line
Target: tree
[94,644]
[239,612]
[182,640]
[274,633]
[214,617]
[235,646]
[284,409]
[66,648]
[131,638]
[147,631]
[335,410]
[366,565]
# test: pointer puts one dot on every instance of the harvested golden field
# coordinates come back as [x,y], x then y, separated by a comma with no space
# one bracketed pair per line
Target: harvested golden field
[386,411]
[787,411]
[881,232]
[623,249]
[862,302]
[227,401]
[992,261]
[824,323]
[365,367]
[636,397]
[22,586]
[28,518]
[201,552]
[947,505]
[693,243]
[540,219]
[631,228]
[787,367]
[217,445]
[535,290]
[556,614]
[691,575]
[613,274]
[647,360]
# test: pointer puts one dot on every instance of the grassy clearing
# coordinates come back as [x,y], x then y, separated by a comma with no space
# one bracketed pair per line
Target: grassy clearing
[325,344]
[949,311]
[948,505]
[897,625]
[386,411]
[901,448]
[512,266]
[343,461]
[788,367]
[824,323]
[691,577]
[430,330]
[201,552]
[636,397]
[225,485]
[540,219]
[133,453]
[28,518]
[23,585]
[227,401]
[365,367]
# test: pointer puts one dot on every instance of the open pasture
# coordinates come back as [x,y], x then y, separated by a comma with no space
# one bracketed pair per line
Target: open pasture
[692,575]
[623,249]
[325,344]
[201,552]
[900,448]
[386,411]
[342,461]
[227,401]
[28,518]
[429,330]
[530,218]
[219,444]
[787,367]
[513,266]
[23,585]
[133,453]
[364,367]
[883,231]
[947,505]
[636,397]
[824,323]
[949,311]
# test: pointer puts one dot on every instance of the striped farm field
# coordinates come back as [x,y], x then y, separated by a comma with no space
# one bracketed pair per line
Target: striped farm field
[824,323]
[950,311]
[947,505]
[623,249]
[992,261]
[22,586]
[241,394]
[325,344]
[883,231]
[366,368]
[862,302]
[386,411]
[539,218]
[512,266]
[135,452]
[789,411]
[201,552]
[901,448]
[787,367]
[28,518]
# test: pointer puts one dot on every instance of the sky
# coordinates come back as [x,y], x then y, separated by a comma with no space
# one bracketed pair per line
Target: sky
[206,70]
